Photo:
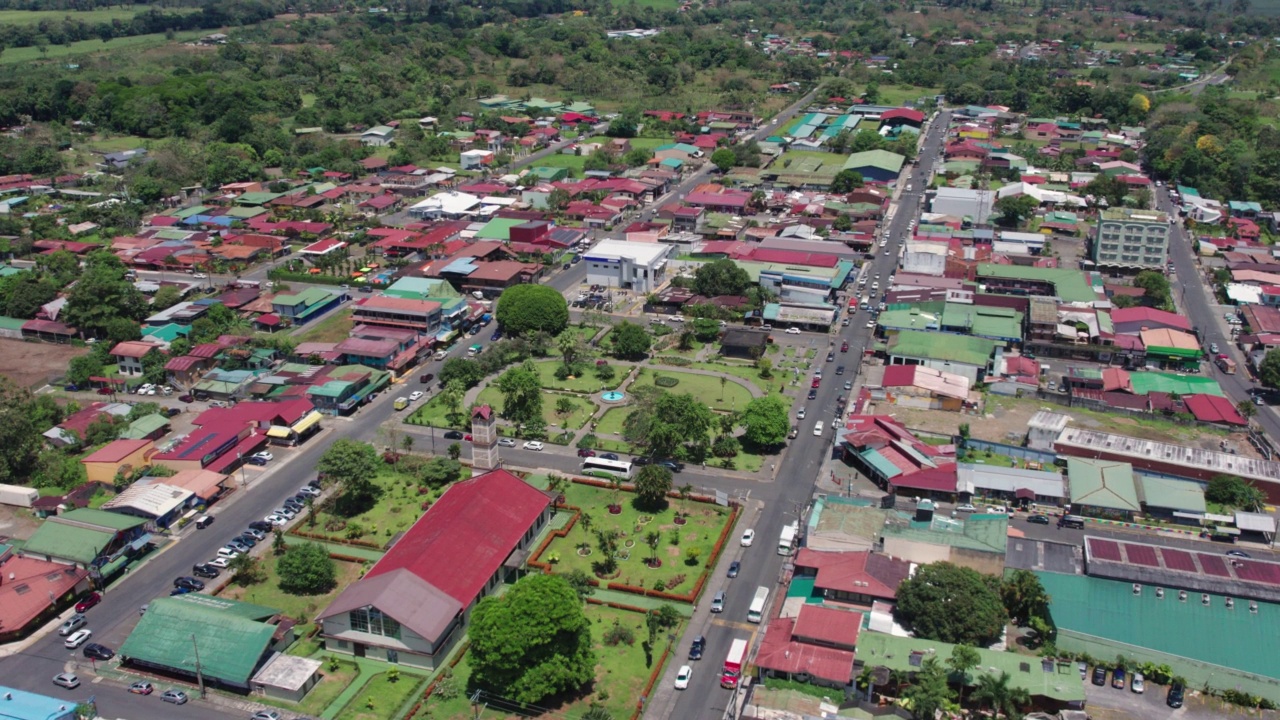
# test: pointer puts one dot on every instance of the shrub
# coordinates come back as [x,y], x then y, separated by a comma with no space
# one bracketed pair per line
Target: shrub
[588,441]
[665,381]
[619,634]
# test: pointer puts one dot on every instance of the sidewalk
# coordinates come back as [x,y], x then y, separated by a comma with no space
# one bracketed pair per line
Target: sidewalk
[662,701]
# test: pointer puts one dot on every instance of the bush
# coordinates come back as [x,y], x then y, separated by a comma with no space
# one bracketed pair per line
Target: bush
[588,441]
[665,381]
[619,634]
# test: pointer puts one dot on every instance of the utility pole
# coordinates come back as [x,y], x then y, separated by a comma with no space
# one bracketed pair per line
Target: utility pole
[199,675]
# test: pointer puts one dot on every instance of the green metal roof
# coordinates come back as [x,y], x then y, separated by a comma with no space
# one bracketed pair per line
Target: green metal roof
[1172,493]
[101,519]
[1070,285]
[244,213]
[880,462]
[68,542]
[167,333]
[257,198]
[144,426]
[949,348]
[882,159]
[230,644]
[309,297]
[909,319]
[1199,641]
[1059,681]
[500,228]
[10,323]
[990,322]
[1148,382]
[1102,483]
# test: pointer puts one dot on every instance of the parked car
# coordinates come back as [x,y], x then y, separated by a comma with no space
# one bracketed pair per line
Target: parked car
[831,356]
[88,601]
[609,456]
[66,680]
[427,378]
[1138,684]
[1099,676]
[415,396]
[264,455]
[261,526]
[670,465]
[815,383]
[266,715]
[142,687]
[205,570]
[734,567]
[71,624]
[1232,553]
[255,460]
[188,582]
[813,393]
[308,491]
[1175,696]
[98,652]
[77,638]
[683,676]
[506,442]
[177,697]
[848,384]
[840,370]
[219,562]
[585,453]
[230,553]
[1117,678]
[533,445]
[452,435]
[800,413]
[793,331]
[748,537]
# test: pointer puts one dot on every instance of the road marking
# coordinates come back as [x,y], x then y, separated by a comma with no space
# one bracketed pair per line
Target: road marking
[745,627]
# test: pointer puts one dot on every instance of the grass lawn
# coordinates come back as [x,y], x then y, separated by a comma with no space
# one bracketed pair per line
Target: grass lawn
[318,699]
[381,698]
[83,47]
[299,607]
[621,671]
[575,163]
[587,383]
[747,373]
[333,329]
[707,390]
[308,99]
[583,409]
[115,144]
[432,413]
[31,17]
[397,507]
[677,574]
[650,143]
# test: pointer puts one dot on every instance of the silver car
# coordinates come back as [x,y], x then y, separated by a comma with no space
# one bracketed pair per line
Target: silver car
[73,623]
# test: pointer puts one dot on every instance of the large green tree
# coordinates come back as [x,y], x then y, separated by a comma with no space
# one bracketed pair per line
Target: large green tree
[1016,208]
[532,642]
[19,435]
[653,482]
[1269,369]
[669,425]
[1024,597]
[929,691]
[306,569]
[101,295]
[952,604]
[1234,491]
[1157,288]
[521,390]
[630,341]
[463,370]
[721,277]
[766,420]
[527,309]
[353,465]
[846,181]
[723,159]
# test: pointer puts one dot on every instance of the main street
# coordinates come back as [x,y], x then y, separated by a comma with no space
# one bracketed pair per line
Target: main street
[785,498]
[1195,301]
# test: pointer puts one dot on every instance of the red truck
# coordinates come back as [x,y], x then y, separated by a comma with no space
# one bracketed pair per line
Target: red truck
[733,664]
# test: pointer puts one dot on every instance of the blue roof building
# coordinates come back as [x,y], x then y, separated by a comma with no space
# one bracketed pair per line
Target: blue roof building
[22,705]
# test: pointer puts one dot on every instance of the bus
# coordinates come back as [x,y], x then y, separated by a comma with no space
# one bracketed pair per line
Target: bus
[755,613]
[601,466]
[733,664]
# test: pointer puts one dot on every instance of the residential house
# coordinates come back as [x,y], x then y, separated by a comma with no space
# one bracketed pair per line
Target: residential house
[128,356]
[118,457]
[814,647]
[852,578]
[23,611]
[303,307]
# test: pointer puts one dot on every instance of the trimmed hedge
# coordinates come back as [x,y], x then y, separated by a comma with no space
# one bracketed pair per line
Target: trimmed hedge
[335,541]
[666,381]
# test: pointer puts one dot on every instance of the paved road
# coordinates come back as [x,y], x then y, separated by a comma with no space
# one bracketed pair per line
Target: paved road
[792,488]
[1196,302]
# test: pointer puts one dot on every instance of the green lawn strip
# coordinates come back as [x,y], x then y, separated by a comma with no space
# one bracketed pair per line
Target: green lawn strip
[336,548]
[299,607]
[744,372]
[433,413]
[397,507]
[333,329]
[389,697]
[583,408]
[95,46]
[704,526]
[705,389]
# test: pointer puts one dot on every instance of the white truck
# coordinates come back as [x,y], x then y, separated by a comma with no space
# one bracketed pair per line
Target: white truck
[787,538]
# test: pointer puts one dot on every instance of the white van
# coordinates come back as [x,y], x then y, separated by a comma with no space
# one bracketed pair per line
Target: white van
[818,428]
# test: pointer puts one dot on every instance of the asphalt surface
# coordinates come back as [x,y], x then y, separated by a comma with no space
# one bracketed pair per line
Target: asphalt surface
[786,497]
[1196,301]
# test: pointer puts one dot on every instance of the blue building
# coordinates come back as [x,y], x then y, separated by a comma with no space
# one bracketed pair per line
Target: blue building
[22,705]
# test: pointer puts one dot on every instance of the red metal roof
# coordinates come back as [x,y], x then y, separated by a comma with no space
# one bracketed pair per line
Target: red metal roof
[1157,318]
[781,653]
[843,571]
[828,625]
[28,584]
[1214,409]
[914,116]
[132,349]
[182,364]
[467,535]
[117,450]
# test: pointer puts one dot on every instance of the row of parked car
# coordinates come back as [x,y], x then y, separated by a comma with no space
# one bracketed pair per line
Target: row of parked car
[1137,683]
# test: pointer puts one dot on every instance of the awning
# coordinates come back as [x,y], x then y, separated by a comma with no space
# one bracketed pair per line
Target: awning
[111,567]
[1024,493]
[140,542]
[306,423]
[279,431]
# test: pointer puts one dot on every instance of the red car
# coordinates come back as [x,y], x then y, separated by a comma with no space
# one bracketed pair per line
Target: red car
[844,346]
[88,601]
[816,382]
[583,452]
[104,391]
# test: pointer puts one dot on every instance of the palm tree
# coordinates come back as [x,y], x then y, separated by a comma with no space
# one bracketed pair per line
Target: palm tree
[685,491]
[994,692]
[585,521]
[652,539]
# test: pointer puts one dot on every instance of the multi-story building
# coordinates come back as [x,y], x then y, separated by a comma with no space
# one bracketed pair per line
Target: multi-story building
[1131,239]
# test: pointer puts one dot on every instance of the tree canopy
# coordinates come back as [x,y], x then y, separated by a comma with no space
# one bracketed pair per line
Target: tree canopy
[305,568]
[669,425]
[527,309]
[653,482]
[1235,492]
[532,642]
[721,277]
[353,465]
[630,341]
[767,420]
[846,181]
[521,389]
[951,604]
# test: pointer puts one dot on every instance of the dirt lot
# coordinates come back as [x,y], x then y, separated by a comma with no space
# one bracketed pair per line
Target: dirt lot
[33,364]
[16,523]
[1006,418]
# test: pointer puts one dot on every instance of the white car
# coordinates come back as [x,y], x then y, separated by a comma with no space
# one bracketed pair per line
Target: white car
[285,513]
[228,552]
[871,324]
[1138,684]
[276,520]
[219,562]
[748,537]
[793,331]
[675,318]
[818,427]
[506,442]
[77,638]
[415,396]
[533,445]
[200,276]
[800,413]
[264,455]
[682,677]
[440,355]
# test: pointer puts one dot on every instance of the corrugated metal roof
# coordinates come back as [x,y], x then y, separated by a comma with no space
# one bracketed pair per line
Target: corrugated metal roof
[230,645]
